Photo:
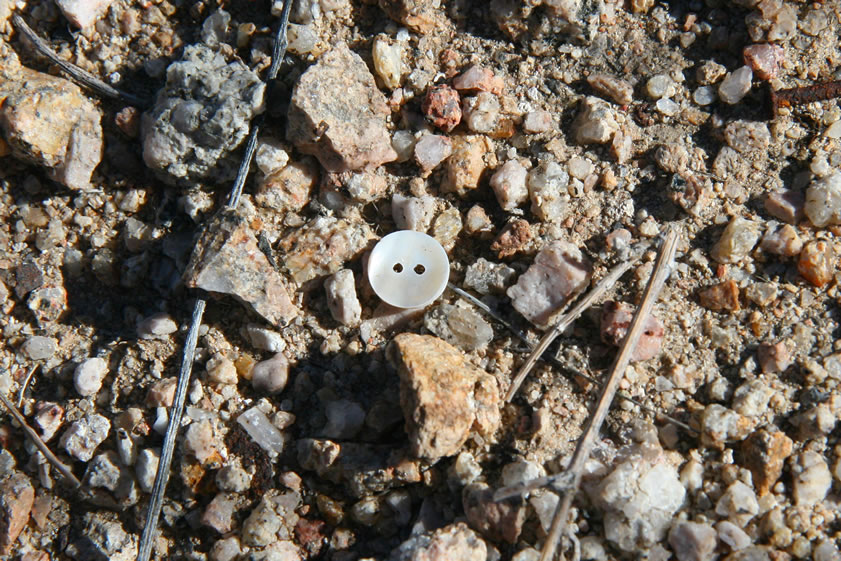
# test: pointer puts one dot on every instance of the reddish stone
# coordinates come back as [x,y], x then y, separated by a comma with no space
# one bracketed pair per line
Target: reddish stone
[476,79]
[773,358]
[310,534]
[442,107]
[817,262]
[512,239]
[128,121]
[615,322]
[764,454]
[722,296]
[764,59]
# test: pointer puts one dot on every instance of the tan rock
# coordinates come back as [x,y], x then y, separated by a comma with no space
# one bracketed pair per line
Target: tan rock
[16,498]
[442,395]
[289,188]
[466,163]
[48,121]
[764,453]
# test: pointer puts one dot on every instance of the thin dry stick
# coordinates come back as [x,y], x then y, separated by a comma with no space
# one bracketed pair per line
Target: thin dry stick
[604,285]
[517,490]
[40,444]
[162,476]
[662,268]
[26,385]
[81,76]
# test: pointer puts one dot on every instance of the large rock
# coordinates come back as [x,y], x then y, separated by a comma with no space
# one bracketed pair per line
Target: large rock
[442,395]
[228,260]
[338,115]
[201,115]
[48,121]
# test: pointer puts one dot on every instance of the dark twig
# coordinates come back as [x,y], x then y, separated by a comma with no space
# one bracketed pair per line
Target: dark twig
[804,95]
[662,268]
[77,74]
[40,444]
[162,476]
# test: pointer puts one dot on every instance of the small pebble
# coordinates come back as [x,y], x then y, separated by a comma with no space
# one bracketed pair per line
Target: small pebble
[547,185]
[735,85]
[811,477]
[481,113]
[781,240]
[595,122]
[737,241]
[486,277]
[817,262]
[146,468]
[536,122]
[660,86]
[477,78]
[162,392]
[785,205]
[341,298]
[38,347]
[85,435]
[722,296]
[233,479]
[158,326]
[751,398]
[83,13]
[720,424]
[823,201]
[710,72]
[388,61]
[611,87]
[704,95]
[764,59]
[616,320]
[88,376]
[412,213]
[431,150]
[261,429]
[747,136]
[49,418]
[271,155]
[732,535]
[509,185]
[692,541]
[270,376]
[344,419]
[441,106]
[738,504]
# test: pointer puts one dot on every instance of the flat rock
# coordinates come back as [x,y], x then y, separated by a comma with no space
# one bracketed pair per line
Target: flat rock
[16,498]
[345,132]
[227,260]
[323,246]
[48,121]
[442,395]
[559,271]
[455,541]
[201,115]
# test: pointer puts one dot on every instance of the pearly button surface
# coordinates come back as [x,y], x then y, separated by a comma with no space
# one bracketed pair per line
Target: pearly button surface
[408,269]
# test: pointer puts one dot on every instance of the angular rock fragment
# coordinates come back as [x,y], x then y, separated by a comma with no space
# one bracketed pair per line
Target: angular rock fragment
[513,238]
[289,188]
[616,320]
[466,163]
[264,433]
[431,150]
[496,520]
[201,115]
[812,479]
[323,246]
[455,541]
[16,498]
[720,424]
[442,395]
[509,185]
[485,277]
[559,271]
[83,13]
[692,541]
[228,260]
[341,298]
[764,453]
[459,325]
[817,262]
[478,79]
[338,114]
[49,122]
[442,107]
[723,296]
[823,201]
[547,185]
[595,123]
[737,241]
[85,435]
[764,59]
[614,88]
[785,205]
[735,85]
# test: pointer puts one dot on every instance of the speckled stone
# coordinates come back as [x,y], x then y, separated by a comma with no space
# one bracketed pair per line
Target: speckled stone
[442,395]
[455,541]
[765,452]
[345,132]
[228,260]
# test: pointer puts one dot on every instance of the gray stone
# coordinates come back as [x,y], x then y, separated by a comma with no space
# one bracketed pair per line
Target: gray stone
[738,504]
[225,549]
[431,150]
[261,429]
[692,541]
[660,85]
[88,376]
[344,419]
[737,241]
[38,347]
[85,435]
[412,213]
[48,303]
[559,271]
[640,496]
[262,525]
[146,467]
[214,29]
[751,398]
[200,117]
[341,298]
[486,277]
[103,538]
[270,376]
[547,184]
[823,201]
[720,424]
[228,260]
[732,535]
[345,132]
[219,513]
[459,325]
[157,326]
[735,85]
[785,205]
[271,155]
[455,541]
[105,471]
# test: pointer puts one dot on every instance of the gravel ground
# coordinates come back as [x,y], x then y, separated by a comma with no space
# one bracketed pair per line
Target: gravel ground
[540,143]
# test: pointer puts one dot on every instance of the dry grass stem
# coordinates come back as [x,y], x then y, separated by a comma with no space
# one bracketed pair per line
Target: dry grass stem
[662,268]
[76,74]
[40,444]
